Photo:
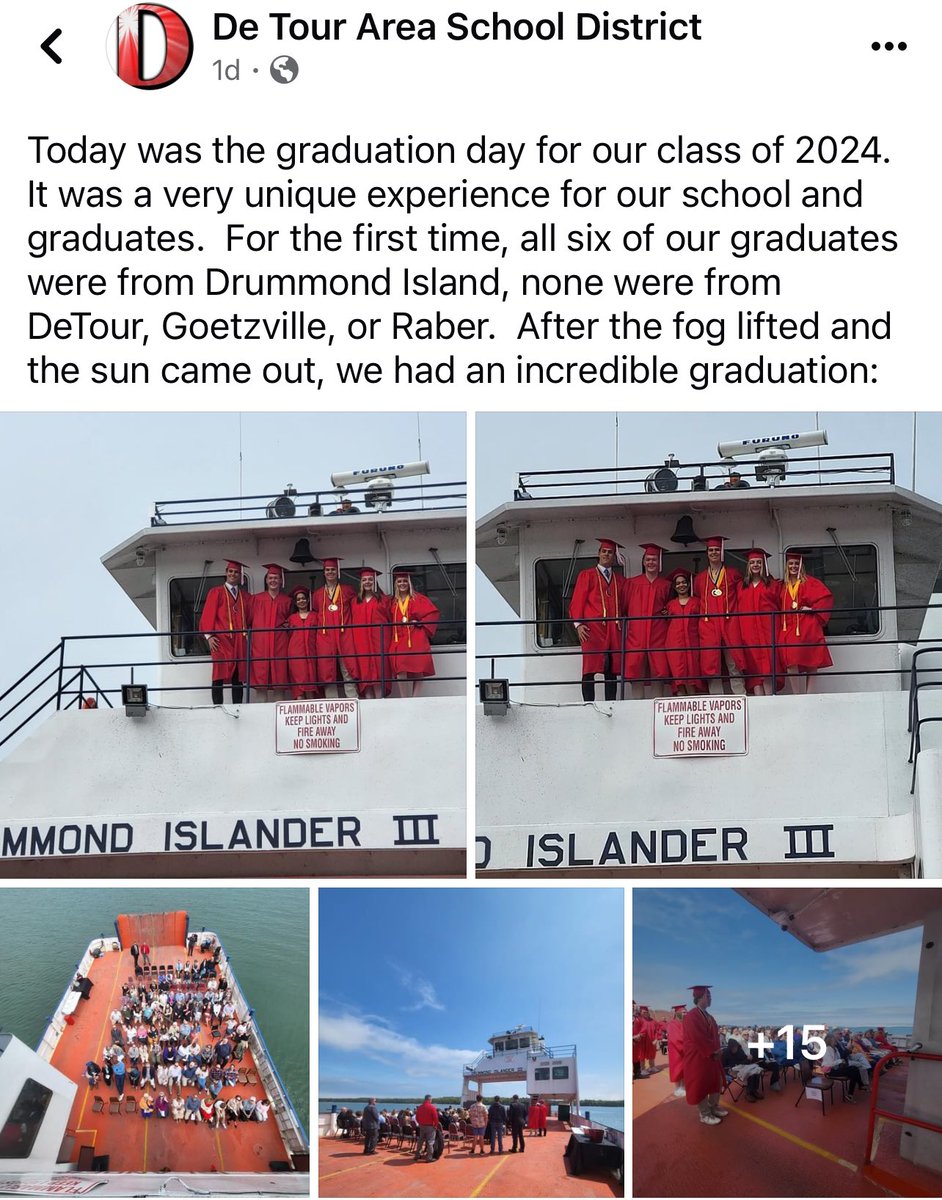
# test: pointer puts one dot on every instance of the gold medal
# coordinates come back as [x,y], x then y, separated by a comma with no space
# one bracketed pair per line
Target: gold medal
[794,604]
[331,607]
[717,592]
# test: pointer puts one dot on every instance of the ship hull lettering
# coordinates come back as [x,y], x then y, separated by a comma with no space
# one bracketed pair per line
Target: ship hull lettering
[640,848]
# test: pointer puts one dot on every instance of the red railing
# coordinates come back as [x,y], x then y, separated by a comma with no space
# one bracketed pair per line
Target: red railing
[901,1186]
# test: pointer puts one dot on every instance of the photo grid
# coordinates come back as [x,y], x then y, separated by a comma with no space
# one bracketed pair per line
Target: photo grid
[471,648]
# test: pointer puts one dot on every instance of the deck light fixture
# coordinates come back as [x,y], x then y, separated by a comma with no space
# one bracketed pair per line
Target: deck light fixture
[495,696]
[134,699]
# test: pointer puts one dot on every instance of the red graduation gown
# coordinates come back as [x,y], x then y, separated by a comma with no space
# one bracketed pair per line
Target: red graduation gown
[675,1050]
[645,636]
[371,642]
[719,626]
[683,651]
[801,634]
[410,643]
[302,646]
[593,597]
[223,615]
[703,1074]
[639,1040]
[755,627]
[268,668]
[334,638]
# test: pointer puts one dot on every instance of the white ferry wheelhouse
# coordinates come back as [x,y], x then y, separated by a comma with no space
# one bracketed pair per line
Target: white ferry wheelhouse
[819,784]
[84,789]
[520,1056]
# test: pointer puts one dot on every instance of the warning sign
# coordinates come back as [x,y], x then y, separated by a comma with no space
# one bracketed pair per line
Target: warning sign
[317,727]
[700,727]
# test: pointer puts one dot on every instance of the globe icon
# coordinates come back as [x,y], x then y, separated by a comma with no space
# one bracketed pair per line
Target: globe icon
[283,69]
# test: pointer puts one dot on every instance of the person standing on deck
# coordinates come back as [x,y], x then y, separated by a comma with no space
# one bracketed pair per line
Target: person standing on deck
[517,1112]
[647,597]
[758,600]
[675,1048]
[336,657]
[596,608]
[703,1075]
[496,1120]
[682,645]
[370,616]
[426,1117]
[806,609]
[268,670]
[369,1123]
[226,615]
[414,621]
[477,1115]
[717,591]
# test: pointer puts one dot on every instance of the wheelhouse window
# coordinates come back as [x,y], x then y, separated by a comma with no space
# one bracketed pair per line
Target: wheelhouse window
[850,573]
[187,597]
[446,587]
[511,1043]
[560,1072]
[555,580]
[541,1073]
[21,1128]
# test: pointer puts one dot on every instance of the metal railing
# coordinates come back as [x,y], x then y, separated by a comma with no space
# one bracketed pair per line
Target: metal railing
[916,721]
[775,676]
[67,684]
[289,1123]
[672,477]
[290,504]
[877,1112]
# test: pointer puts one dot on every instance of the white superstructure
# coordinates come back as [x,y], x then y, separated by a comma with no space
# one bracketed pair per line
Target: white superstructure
[809,784]
[84,789]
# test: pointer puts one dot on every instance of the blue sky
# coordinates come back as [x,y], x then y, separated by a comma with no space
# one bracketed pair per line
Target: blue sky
[414,981]
[686,936]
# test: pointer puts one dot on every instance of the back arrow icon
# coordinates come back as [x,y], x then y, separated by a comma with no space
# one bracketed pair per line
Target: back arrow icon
[47,46]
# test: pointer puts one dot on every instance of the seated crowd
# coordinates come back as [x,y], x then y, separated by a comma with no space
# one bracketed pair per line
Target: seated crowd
[848,1055]
[178,1038]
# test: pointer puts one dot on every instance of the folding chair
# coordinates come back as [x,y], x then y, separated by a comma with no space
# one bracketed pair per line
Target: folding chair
[130,1105]
[115,1106]
[98,1104]
[819,1083]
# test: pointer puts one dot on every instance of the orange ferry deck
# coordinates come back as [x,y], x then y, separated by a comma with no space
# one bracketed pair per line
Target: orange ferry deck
[770,1148]
[541,1170]
[156,1144]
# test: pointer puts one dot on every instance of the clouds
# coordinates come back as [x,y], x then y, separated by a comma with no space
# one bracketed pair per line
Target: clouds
[351,1033]
[422,990]
[863,964]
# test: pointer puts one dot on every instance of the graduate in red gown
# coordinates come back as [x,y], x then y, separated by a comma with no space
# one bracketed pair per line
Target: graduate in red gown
[599,592]
[807,605]
[646,599]
[226,615]
[675,1048]
[414,621]
[370,618]
[640,1043]
[758,599]
[703,1074]
[682,645]
[336,656]
[268,669]
[717,592]
[302,647]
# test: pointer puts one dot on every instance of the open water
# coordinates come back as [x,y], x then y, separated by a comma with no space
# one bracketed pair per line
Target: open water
[608,1114]
[266,931]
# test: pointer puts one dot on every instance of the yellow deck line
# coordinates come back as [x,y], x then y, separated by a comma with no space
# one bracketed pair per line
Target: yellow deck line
[347,1170]
[222,1165]
[489,1176]
[842,1162]
[146,1128]
[88,1090]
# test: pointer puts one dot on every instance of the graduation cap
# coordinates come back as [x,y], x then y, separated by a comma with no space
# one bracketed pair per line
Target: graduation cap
[331,562]
[233,564]
[361,571]
[699,989]
[758,552]
[273,568]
